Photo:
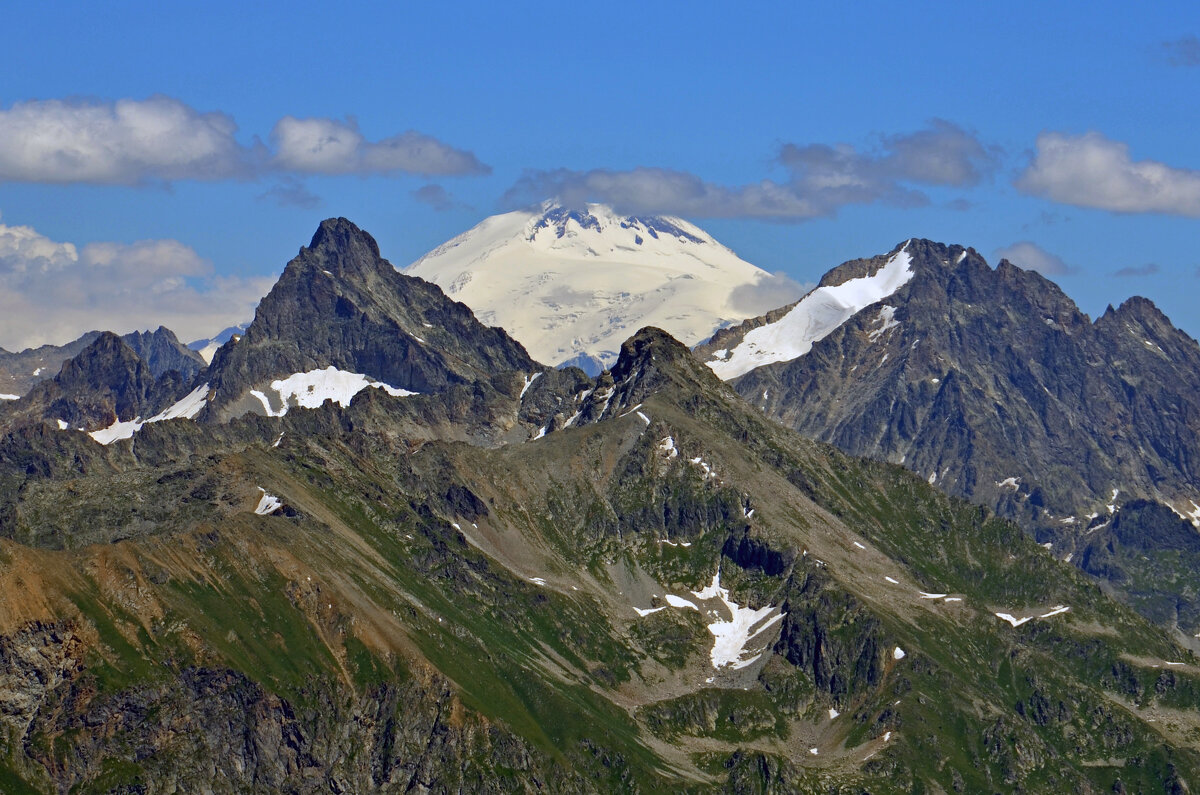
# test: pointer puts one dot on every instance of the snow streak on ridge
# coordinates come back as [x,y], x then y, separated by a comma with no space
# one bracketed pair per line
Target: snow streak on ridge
[816,316]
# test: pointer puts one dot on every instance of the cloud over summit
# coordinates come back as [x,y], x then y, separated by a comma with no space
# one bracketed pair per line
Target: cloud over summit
[821,179]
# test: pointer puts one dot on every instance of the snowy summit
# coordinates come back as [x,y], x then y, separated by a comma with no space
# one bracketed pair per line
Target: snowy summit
[572,285]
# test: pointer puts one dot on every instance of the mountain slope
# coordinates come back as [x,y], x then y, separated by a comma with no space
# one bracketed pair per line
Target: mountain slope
[572,285]
[994,386]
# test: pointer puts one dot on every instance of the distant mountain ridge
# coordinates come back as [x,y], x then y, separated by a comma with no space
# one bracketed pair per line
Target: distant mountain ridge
[572,284]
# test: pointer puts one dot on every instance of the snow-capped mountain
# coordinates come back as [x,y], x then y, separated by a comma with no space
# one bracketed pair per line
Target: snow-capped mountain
[572,285]
[208,348]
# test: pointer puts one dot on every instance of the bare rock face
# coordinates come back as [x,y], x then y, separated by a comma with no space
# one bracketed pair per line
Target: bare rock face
[163,353]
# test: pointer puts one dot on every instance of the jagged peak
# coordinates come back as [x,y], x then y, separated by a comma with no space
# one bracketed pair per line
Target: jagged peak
[648,344]
[341,233]
[341,248]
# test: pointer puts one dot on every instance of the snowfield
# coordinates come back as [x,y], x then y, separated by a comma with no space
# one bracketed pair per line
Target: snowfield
[186,409]
[732,636]
[309,390]
[816,316]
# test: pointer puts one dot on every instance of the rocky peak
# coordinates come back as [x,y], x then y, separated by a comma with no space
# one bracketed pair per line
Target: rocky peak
[649,362]
[339,304]
[340,247]
[163,352]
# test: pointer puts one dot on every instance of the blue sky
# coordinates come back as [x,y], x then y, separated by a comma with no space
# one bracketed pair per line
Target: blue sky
[161,164]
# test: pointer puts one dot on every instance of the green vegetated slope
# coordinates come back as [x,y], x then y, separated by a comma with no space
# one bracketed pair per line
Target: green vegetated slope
[437,616]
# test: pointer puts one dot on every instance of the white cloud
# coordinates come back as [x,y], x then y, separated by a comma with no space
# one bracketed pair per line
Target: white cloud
[1094,171]
[122,142]
[54,291]
[821,180]
[160,139]
[769,292]
[329,146]
[658,190]
[1031,256]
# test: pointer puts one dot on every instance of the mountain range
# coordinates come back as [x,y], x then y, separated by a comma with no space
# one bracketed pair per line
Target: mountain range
[375,545]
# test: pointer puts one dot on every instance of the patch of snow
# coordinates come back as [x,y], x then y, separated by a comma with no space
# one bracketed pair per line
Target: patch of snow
[814,751]
[953,599]
[528,383]
[644,417]
[1054,611]
[635,408]
[731,636]
[266,404]
[898,653]
[1048,545]
[62,425]
[6,396]
[925,595]
[833,713]
[1112,501]
[118,430]
[277,441]
[932,478]
[893,582]
[860,546]
[267,503]
[1016,622]
[677,601]
[885,320]
[541,432]
[187,408]
[1009,483]
[648,611]
[309,390]
[1067,559]
[537,581]
[812,319]
[887,736]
